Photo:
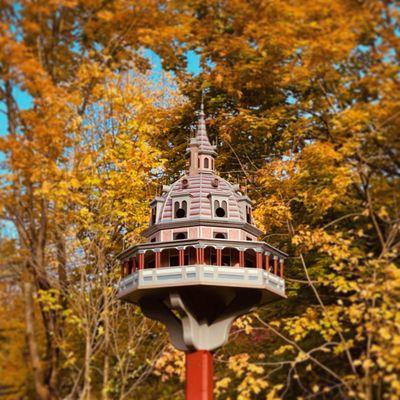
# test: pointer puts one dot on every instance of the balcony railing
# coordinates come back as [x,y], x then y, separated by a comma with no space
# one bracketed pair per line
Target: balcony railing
[201,275]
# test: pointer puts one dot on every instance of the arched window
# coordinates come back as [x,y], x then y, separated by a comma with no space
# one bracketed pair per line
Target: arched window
[153,215]
[212,163]
[206,163]
[219,235]
[180,235]
[248,215]
[180,210]
[198,162]
[220,210]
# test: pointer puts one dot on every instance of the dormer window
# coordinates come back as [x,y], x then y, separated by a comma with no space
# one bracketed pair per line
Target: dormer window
[221,208]
[153,215]
[248,214]
[180,209]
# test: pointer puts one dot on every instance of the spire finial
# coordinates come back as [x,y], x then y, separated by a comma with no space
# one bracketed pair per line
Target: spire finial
[202,103]
[202,152]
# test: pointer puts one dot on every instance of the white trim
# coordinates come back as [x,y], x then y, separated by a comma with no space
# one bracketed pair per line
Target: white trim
[155,278]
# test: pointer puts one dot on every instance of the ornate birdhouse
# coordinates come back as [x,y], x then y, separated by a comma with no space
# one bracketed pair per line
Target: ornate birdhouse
[202,264]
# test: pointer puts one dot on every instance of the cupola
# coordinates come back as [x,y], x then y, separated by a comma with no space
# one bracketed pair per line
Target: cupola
[202,152]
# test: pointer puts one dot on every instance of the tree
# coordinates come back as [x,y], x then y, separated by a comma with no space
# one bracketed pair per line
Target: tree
[62,56]
[304,97]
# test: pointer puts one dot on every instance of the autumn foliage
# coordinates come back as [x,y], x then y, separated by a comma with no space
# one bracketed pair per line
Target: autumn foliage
[303,101]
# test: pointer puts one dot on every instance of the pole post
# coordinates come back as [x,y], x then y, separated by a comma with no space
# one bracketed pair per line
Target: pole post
[199,375]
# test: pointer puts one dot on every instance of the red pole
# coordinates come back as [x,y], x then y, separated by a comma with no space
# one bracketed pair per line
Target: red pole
[199,375]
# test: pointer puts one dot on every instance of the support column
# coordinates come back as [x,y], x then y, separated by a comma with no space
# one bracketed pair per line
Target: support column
[181,257]
[267,266]
[157,259]
[199,375]
[281,267]
[219,257]
[275,265]
[241,258]
[258,259]
[201,255]
[141,260]
[126,273]
[134,264]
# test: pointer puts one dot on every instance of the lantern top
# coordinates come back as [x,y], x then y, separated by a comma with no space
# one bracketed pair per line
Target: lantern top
[202,152]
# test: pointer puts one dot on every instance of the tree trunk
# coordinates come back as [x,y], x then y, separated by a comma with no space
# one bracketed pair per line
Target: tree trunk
[106,364]
[87,386]
[42,390]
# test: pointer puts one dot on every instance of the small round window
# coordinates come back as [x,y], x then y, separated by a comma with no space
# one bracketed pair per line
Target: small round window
[180,213]
[220,212]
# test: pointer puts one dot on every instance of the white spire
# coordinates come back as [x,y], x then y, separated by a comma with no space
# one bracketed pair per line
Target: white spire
[202,152]
[201,133]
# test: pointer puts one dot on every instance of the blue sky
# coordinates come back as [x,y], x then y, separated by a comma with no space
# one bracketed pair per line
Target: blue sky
[25,101]
[193,61]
